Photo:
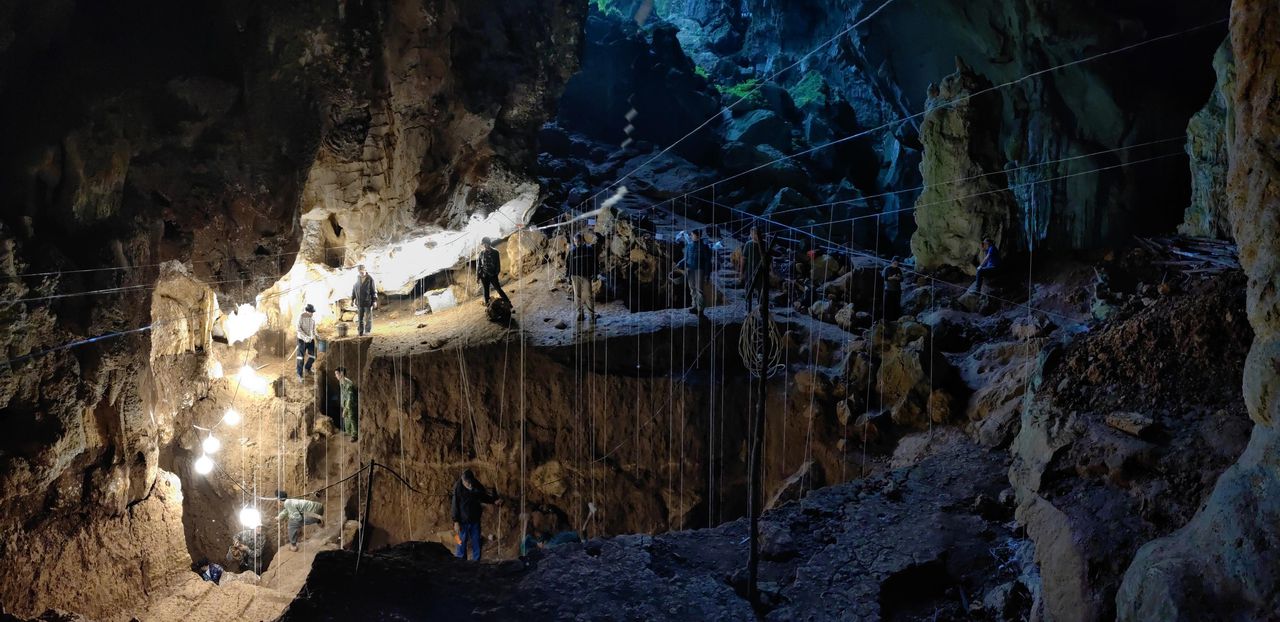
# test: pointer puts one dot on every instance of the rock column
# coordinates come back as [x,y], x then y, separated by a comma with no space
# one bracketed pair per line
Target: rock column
[961,142]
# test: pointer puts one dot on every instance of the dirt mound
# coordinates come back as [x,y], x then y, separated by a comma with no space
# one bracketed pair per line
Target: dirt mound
[1186,349]
[1128,430]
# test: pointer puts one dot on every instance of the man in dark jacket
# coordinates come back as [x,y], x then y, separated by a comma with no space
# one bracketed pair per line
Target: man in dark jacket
[487,268]
[365,297]
[581,266]
[697,269]
[752,256]
[469,497]
[990,263]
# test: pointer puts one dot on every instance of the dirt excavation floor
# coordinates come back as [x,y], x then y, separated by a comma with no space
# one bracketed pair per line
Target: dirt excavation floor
[883,548]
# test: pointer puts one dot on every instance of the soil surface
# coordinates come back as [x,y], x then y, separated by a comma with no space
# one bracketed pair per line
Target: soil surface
[924,542]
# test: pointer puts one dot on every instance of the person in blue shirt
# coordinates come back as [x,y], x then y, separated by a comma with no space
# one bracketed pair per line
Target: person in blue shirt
[208,571]
[990,263]
[697,269]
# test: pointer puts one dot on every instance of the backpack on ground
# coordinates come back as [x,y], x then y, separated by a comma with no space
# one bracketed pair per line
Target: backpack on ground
[499,311]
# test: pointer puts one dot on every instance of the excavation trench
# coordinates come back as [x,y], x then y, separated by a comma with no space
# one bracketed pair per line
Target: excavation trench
[649,429]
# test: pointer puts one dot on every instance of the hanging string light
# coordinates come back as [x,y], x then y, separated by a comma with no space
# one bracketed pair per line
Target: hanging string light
[203,465]
[231,417]
[250,517]
[211,444]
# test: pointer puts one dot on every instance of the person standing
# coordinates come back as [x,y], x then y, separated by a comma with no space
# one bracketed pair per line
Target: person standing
[365,296]
[752,256]
[990,263]
[697,266]
[581,266]
[246,549]
[347,396]
[306,340]
[488,266]
[299,512]
[469,497]
[892,276]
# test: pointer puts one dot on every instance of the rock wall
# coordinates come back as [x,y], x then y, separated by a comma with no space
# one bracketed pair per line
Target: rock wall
[1069,112]
[1049,133]
[648,436]
[140,132]
[431,112]
[116,560]
[1224,562]
[1210,135]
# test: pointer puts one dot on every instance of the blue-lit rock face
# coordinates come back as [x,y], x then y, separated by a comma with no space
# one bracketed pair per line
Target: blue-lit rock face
[875,80]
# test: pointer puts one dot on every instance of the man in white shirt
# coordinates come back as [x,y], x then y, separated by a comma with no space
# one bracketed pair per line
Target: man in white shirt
[306,340]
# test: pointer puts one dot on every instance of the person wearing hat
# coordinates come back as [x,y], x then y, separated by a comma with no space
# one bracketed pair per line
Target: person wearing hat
[306,340]
[488,266]
[365,297]
[892,291]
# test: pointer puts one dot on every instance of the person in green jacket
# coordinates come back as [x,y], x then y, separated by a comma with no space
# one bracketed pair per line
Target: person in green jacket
[347,393]
[298,512]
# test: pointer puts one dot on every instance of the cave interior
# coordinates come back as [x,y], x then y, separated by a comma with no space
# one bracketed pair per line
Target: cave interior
[804,310]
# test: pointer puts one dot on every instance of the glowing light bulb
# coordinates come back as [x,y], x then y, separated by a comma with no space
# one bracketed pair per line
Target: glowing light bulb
[203,465]
[250,517]
[231,417]
[251,381]
[211,444]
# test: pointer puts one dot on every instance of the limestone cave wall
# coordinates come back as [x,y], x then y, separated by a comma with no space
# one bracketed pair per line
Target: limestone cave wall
[1223,562]
[139,132]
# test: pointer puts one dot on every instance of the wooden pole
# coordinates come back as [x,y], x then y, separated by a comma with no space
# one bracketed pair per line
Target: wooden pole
[757,432]
[364,523]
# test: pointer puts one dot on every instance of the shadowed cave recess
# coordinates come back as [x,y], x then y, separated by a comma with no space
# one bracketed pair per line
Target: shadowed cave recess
[1086,432]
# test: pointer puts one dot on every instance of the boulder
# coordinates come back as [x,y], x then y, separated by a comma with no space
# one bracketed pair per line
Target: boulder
[760,127]
[785,205]
[768,166]
[1134,424]
[526,249]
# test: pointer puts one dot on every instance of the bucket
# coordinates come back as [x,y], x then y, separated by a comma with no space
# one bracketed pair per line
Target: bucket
[341,328]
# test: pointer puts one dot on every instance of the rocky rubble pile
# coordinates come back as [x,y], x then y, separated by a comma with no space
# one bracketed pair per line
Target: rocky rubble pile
[1121,441]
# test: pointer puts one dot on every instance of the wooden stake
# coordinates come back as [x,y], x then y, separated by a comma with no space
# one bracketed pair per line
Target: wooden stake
[364,523]
[757,432]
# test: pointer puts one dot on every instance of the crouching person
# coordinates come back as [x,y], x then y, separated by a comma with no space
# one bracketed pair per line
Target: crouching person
[246,550]
[299,512]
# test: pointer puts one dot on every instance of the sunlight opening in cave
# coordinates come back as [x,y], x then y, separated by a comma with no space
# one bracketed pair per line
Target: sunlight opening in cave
[243,323]
[397,267]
